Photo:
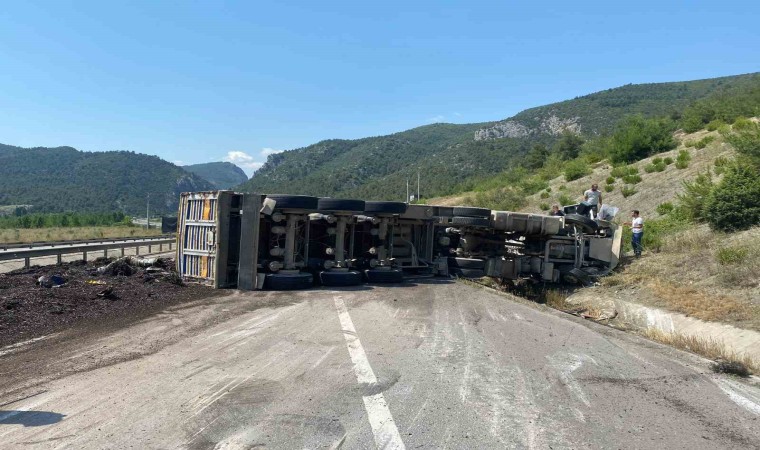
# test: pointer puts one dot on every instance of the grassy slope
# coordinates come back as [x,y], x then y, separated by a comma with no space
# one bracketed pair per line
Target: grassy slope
[23,235]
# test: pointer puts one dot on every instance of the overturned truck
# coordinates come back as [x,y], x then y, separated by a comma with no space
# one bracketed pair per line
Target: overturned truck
[255,241]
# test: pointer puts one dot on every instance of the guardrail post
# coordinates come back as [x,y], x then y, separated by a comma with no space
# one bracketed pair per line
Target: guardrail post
[58,259]
[26,263]
[84,256]
[105,253]
[137,250]
[122,252]
[150,249]
[161,248]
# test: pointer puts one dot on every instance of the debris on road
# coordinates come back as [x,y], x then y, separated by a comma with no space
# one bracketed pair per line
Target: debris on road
[133,286]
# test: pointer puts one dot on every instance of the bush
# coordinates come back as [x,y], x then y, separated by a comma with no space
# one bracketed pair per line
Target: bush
[502,199]
[682,164]
[638,137]
[544,195]
[688,144]
[621,171]
[627,191]
[649,168]
[632,179]
[610,180]
[548,189]
[734,204]
[714,125]
[702,143]
[668,160]
[544,207]
[665,208]
[692,199]
[746,140]
[609,187]
[659,166]
[576,169]
[731,255]
[742,123]
[565,200]
[683,155]
[657,160]
[721,163]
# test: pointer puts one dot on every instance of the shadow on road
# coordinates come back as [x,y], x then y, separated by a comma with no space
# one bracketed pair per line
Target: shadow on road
[29,418]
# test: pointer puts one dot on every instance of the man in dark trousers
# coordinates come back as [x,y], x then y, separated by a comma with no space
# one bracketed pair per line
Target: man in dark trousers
[637,227]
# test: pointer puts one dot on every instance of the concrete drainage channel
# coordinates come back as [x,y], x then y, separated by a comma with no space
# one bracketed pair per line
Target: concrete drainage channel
[284,242]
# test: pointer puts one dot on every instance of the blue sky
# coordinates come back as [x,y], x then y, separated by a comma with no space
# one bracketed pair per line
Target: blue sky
[204,81]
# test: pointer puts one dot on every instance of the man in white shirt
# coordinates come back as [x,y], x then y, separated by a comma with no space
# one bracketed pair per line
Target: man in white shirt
[593,197]
[637,227]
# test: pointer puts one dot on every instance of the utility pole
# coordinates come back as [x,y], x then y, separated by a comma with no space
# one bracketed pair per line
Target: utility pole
[147,214]
[407,191]
[418,185]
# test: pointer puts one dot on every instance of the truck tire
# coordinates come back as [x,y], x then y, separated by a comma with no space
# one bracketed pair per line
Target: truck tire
[337,204]
[384,276]
[585,223]
[340,278]
[384,207]
[468,211]
[467,263]
[294,201]
[288,282]
[471,221]
[468,273]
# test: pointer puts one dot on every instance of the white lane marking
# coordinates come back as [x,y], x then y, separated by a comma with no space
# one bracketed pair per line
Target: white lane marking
[731,388]
[380,419]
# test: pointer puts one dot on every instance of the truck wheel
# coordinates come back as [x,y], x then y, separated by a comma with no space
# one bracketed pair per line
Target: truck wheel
[585,223]
[294,201]
[384,207]
[468,273]
[467,263]
[337,204]
[384,276]
[471,221]
[340,278]
[287,281]
[468,211]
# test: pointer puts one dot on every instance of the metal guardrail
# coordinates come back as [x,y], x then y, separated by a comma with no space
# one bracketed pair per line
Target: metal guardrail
[59,250]
[82,241]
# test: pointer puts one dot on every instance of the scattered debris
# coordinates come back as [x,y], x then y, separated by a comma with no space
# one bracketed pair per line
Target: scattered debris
[51,281]
[107,293]
[95,282]
[731,367]
[120,267]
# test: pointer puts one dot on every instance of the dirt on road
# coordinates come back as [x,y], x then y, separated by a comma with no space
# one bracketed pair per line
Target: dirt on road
[33,303]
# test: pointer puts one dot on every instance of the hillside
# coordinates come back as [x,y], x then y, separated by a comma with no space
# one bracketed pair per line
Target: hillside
[449,156]
[223,175]
[66,179]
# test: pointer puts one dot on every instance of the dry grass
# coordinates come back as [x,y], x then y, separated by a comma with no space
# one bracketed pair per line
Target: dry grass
[698,304]
[23,235]
[709,348]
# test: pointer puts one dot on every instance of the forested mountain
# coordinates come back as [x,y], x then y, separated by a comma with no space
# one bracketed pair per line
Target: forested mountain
[447,155]
[66,179]
[223,175]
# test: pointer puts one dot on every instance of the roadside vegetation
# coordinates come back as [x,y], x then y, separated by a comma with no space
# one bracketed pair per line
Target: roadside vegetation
[22,227]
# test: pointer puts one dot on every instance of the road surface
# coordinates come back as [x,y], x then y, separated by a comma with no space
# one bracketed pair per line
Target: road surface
[432,364]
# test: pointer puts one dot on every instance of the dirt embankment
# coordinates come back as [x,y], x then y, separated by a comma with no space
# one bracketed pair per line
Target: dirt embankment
[34,303]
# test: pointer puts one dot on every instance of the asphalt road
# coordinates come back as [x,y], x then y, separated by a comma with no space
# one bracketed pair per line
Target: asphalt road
[432,364]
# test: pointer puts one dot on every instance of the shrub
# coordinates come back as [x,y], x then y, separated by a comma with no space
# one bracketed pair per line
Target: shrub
[632,179]
[649,168]
[721,161]
[746,141]
[682,164]
[657,160]
[502,199]
[548,189]
[683,155]
[565,200]
[665,208]
[731,255]
[531,185]
[668,160]
[621,171]
[562,188]
[688,144]
[544,195]
[610,180]
[576,169]
[692,199]
[714,125]
[734,204]
[609,187]
[627,191]
[637,137]
[702,143]
[741,123]
[544,207]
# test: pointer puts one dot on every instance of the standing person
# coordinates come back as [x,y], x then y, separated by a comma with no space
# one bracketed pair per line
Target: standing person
[637,226]
[593,197]
[556,211]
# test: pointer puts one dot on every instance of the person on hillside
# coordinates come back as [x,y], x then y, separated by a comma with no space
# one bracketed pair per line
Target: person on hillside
[593,197]
[637,226]
[556,211]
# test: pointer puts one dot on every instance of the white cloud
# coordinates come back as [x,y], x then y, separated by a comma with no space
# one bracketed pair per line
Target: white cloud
[266,151]
[179,163]
[436,119]
[243,160]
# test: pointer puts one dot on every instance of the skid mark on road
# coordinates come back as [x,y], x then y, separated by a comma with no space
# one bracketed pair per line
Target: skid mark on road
[380,419]
[741,395]
[566,365]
